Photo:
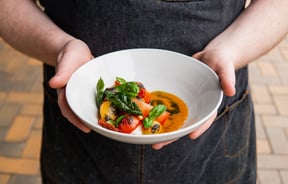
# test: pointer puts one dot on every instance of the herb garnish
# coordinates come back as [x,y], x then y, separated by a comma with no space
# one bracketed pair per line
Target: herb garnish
[119,96]
[100,92]
[153,114]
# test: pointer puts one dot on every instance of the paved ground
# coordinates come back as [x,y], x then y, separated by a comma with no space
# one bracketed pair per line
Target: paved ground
[269,83]
[21,110]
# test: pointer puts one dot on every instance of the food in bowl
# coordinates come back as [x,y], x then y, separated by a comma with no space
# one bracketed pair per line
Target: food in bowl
[128,107]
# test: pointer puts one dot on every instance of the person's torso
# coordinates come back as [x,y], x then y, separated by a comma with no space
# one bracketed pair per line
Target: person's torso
[109,25]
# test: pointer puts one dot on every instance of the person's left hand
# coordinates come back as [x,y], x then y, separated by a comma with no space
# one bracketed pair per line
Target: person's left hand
[222,64]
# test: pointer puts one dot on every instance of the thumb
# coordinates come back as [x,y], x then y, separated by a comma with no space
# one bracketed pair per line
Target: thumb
[74,54]
[227,80]
[225,71]
[197,55]
[63,73]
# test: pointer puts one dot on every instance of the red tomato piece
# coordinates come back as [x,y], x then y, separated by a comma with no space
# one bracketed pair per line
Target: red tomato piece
[163,117]
[128,124]
[116,83]
[145,95]
[107,125]
[146,108]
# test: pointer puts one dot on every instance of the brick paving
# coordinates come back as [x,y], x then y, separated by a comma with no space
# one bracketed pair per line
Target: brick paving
[269,85]
[21,115]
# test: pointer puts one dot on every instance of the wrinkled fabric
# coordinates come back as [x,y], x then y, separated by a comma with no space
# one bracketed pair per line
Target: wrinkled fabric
[224,154]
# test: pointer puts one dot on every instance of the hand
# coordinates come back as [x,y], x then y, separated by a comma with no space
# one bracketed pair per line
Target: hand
[74,54]
[222,64]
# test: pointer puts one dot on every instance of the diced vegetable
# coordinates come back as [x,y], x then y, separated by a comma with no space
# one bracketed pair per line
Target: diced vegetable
[144,94]
[155,128]
[153,114]
[163,117]
[128,124]
[107,111]
[108,124]
[146,108]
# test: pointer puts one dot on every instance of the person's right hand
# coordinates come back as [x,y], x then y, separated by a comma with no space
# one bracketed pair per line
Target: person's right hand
[73,54]
[222,62]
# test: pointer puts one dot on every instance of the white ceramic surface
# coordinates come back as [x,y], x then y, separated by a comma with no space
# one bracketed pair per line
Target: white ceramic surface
[195,83]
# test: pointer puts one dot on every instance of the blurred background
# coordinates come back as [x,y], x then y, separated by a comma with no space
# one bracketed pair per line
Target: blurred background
[21,115]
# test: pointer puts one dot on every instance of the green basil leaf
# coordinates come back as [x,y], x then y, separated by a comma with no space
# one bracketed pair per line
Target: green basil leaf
[129,88]
[123,103]
[99,92]
[120,80]
[111,122]
[117,121]
[153,114]
[147,122]
[157,111]
[100,84]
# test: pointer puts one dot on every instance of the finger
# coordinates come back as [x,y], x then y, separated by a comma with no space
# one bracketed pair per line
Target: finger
[225,72]
[158,146]
[74,54]
[68,114]
[198,55]
[227,80]
[64,71]
[199,131]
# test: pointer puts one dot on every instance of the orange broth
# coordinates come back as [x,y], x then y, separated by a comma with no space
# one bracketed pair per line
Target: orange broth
[175,106]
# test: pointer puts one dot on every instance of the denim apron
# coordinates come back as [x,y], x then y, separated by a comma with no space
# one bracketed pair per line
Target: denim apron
[223,154]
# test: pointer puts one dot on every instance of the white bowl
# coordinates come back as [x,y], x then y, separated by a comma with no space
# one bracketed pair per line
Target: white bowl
[191,80]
